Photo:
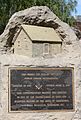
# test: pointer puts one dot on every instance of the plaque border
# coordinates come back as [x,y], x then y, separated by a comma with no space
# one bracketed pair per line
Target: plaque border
[39,68]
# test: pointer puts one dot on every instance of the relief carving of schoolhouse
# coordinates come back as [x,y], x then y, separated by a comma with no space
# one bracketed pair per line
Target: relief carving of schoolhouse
[36,41]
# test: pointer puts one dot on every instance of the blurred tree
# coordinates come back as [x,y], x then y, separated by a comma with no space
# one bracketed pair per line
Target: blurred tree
[62,8]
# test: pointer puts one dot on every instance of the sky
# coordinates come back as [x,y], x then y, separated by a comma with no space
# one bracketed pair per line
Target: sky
[78,8]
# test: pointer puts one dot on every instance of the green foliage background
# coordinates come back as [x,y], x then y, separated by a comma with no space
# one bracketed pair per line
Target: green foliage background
[62,8]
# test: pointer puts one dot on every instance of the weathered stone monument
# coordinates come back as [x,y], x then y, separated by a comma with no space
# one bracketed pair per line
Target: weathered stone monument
[40,68]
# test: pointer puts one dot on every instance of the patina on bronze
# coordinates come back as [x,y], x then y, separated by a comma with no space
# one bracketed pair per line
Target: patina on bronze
[41,89]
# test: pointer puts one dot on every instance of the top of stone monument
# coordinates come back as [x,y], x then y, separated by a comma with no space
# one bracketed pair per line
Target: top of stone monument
[39,16]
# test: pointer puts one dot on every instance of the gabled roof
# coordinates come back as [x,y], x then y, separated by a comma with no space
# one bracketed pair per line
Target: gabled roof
[37,33]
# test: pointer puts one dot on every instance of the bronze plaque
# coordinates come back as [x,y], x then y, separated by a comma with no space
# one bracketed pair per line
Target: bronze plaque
[40,89]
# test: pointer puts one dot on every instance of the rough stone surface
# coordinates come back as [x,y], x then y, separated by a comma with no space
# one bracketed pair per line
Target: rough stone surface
[77,32]
[42,16]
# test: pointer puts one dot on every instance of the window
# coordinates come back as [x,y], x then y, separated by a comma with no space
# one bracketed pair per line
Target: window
[46,48]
